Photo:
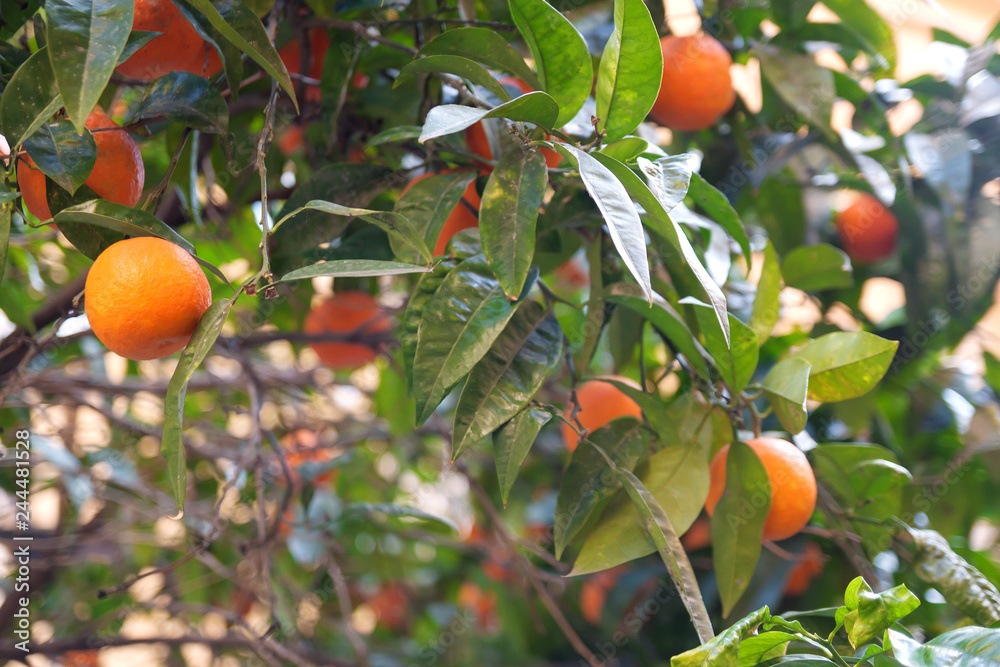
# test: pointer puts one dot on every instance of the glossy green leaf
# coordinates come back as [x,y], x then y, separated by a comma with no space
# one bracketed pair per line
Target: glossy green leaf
[766,304]
[381,511]
[628,78]
[561,56]
[736,361]
[870,614]
[487,47]
[508,214]
[717,206]
[29,99]
[409,330]
[401,232]
[677,477]
[786,387]
[184,98]
[509,376]
[428,203]
[589,481]
[536,107]
[762,647]
[723,651]
[618,211]
[662,316]
[968,647]
[172,444]
[626,149]
[130,221]
[463,319]
[84,40]
[61,154]
[858,17]
[669,178]
[89,239]
[239,25]
[817,267]
[738,523]
[456,65]
[668,544]
[352,268]
[511,444]
[397,134]
[805,86]
[846,364]
[955,578]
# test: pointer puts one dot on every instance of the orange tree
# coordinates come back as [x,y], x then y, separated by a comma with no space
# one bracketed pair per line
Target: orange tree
[555,365]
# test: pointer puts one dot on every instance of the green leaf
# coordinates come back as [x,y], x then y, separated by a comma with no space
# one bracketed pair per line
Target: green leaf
[657,526]
[461,322]
[398,228]
[786,387]
[352,268]
[801,83]
[846,364]
[588,480]
[380,511]
[817,267]
[85,39]
[677,477]
[91,240]
[968,647]
[536,107]
[129,221]
[239,25]
[61,154]
[766,305]
[509,376]
[185,98]
[736,361]
[397,134]
[662,316]
[669,178]
[738,523]
[456,65]
[484,46]
[511,444]
[717,206]
[870,614]
[172,444]
[857,17]
[955,578]
[561,56]
[762,647]
[625,149]
[723,651]
[628,78]
[508,214]
[618,211]
[136,40]
[428,203]
[29,99]
[422,293]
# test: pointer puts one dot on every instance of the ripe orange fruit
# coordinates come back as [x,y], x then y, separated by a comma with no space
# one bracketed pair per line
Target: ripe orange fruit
[292,139]
[174,49]
[391,605]
[80,658]
[291,55]
[600,402]
[346,313]
[594,593]
[806,569]
[868,230]
[481,603]
[572,273]
[698,536]
[465,215]
[118,174]
[206,62]
[696,88]
[793,485]
[475,135]
[144,297]
[302,446]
